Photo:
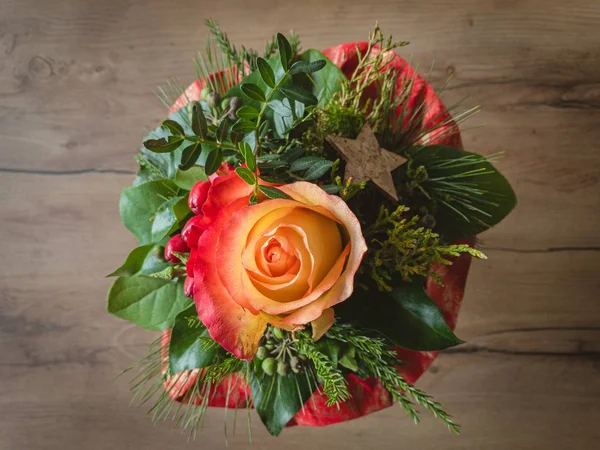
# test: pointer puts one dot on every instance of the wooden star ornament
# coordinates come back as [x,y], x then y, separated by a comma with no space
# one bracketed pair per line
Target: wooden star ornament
[367,161]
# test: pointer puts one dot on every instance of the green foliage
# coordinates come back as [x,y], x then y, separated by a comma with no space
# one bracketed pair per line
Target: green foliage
[191,347]
[329,376]
[470,194]
[143,260]
[148,302]
[398,246]
[277,398]
[146,210]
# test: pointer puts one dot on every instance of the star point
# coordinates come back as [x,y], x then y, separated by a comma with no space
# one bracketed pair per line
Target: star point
[367,161]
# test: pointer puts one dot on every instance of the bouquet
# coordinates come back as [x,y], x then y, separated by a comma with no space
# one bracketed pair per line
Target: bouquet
[306,221]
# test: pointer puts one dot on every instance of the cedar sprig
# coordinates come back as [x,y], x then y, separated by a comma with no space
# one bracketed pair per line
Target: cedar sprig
[381,361]
[334,384]
[399,246]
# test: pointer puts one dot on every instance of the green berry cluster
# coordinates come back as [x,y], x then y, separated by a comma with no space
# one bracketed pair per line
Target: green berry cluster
[278,353]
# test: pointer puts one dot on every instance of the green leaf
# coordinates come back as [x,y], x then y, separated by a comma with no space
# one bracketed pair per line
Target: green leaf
[317,170]
[299,94]
[330,348]
[191,347]
[199,125]
[307,67]
[273,192]
[248,155]
[189,156]
[285,51]
[243,126]
[186,179]
[164,221]
[281,108]
[246,175]
[471,195]
[407,316]
[348,359]
[420,324]
[213,161]
[324,83]
[142,260]
[305,163]
[248,113]
[173,127]
[222,131]
[253,91]
[139,205]
[266,72]
[182,210]
[331,188]
[278,398]
[148,302]
[164,145]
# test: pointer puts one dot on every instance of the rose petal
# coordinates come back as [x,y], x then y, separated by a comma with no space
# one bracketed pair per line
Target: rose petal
[322,324]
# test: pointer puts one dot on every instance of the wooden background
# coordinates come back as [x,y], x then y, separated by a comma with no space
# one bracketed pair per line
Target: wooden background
[76,84]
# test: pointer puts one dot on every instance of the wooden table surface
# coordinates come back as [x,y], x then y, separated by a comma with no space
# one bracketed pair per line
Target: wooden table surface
[76,95]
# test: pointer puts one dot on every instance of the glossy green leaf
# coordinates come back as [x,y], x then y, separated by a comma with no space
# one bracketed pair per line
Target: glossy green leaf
[285,51]
[278,398]
[253,91]
[247,113]
[213,161]
[317,170]
[266,72]
[246,175]
[305,163]
[243,126]
[173,127]
[199,124]
[139,205]
[143,260]
[324,83]
[164,145]
[222,131]
[420,322]
[299,94]
[186,179]
[307,66]
[190,156]
[331,188]
[248,155]
[191,347]
[471,195]
[273,192]
[151,303]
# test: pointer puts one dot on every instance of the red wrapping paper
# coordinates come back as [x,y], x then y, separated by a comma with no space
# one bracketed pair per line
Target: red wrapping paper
[368,395]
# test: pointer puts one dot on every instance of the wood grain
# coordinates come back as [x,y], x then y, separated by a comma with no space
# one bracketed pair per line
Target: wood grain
[76,83]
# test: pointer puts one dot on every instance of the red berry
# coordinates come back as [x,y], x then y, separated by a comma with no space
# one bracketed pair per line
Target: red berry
[192,230]
[175,244]
[198,196]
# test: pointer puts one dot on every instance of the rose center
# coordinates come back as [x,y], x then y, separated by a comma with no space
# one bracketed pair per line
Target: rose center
[278,260]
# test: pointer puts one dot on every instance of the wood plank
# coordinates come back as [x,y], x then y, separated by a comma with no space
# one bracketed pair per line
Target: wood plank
[76,82]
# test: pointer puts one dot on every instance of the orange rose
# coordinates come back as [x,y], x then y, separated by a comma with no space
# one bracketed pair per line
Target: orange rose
[283,261]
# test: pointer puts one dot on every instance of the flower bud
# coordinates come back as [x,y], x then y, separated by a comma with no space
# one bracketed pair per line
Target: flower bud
[262,353]
[428,221]
[188,287]
[192,230]
[282,368]
[225,104]
[234,105]
[270,345]
[175,244]
[278,334]
[213,99]
[268,366]
[198,196]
